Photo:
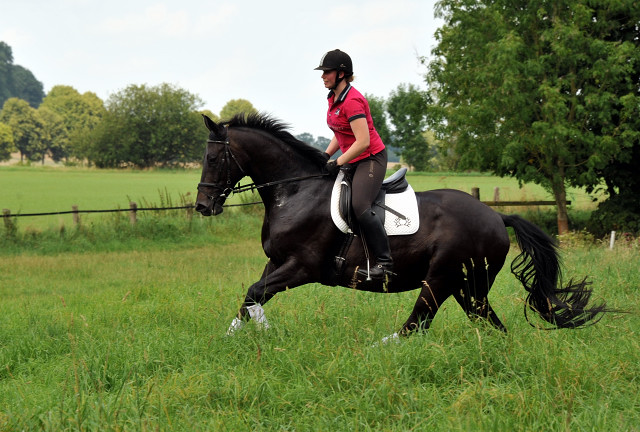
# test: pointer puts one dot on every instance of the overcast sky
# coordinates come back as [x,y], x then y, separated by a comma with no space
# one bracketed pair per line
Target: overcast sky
[260,50]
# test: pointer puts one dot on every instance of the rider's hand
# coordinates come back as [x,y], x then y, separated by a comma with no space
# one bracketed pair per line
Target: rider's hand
[332,167]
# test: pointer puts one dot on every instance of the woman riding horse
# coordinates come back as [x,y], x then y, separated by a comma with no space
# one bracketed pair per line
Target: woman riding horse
[459,248]
[349,117]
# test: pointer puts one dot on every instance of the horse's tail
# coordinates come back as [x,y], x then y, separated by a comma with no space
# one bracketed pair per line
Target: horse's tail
[538,268]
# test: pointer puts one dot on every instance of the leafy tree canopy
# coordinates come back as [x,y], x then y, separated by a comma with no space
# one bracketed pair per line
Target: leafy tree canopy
[6,142]
[547,93]
[320,142]
[148,126]
[17,81]
[236,106]
[407,108]
[81,113]
[25,126]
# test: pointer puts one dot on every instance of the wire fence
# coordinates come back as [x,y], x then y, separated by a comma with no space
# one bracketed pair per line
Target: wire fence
[7,213]
[8,217]
[134,209]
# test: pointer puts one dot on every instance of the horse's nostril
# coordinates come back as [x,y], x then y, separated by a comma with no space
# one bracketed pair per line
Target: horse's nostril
[202,208]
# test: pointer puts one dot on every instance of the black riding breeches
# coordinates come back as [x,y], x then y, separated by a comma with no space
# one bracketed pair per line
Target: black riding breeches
[367,180]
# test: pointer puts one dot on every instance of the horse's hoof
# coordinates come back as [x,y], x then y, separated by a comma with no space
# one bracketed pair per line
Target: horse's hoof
[394,338]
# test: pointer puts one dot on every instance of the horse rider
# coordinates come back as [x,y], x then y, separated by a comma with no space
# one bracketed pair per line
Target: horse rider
[349,117]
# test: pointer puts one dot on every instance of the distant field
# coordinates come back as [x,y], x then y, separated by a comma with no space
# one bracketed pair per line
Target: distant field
[47,189]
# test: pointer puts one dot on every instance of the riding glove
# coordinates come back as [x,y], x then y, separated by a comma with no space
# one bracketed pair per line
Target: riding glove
[332,167]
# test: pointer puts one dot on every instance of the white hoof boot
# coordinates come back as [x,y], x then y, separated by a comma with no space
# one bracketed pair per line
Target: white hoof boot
[257,314]
[395,338]
[392,338]
[236,325]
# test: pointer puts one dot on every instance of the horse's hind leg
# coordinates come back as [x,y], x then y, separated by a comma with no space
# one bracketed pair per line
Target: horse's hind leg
[479,308]
[432,295]
[472,297]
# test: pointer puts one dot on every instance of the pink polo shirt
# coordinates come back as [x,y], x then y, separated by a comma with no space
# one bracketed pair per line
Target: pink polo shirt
[349,106]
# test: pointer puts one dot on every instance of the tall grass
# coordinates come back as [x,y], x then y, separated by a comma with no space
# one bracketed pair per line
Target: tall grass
[132,338]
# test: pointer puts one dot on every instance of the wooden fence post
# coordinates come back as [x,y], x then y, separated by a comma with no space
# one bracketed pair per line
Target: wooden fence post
[133,212]
[9,225]
[76,215]
[475,192]
[6,214]
[496,194]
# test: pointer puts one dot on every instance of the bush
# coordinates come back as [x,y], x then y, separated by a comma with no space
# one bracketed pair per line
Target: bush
[619,213]
[547,219]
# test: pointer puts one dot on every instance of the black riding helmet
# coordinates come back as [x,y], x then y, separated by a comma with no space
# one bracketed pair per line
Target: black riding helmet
[336,60]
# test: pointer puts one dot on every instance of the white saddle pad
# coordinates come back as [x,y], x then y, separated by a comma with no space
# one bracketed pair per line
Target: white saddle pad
[404,203]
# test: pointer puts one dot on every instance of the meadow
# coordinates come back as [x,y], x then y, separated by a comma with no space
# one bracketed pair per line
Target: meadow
[110,326]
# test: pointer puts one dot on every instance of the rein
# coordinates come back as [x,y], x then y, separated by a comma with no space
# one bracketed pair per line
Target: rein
[252,186]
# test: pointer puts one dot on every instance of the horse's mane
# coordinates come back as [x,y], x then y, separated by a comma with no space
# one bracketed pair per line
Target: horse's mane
[279,130]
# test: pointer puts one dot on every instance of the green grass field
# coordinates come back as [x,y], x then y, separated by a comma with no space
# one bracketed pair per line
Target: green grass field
[134,340]
[117,327]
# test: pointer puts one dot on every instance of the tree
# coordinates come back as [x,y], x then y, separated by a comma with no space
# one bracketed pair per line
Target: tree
[53,136]
[407,108]
[26,86]
[236,106]
[544,92]
[6,62]
[320,142]
[26,127]
[6,142]
[148,126]
[378,109]
[17,81]
[81,113]
[306,137]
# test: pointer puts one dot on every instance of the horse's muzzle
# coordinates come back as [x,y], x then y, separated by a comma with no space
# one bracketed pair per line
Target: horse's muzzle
[208,206]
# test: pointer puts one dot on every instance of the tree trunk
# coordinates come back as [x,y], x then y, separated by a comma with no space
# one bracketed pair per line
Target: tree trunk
[560,196]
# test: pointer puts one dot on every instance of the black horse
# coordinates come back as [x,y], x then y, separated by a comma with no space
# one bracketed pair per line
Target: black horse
[459,249]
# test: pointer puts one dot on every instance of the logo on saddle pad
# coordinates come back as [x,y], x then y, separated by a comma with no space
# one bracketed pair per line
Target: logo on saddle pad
[401,215]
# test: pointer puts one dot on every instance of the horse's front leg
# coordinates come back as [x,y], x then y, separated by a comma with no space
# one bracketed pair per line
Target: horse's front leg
[274,279]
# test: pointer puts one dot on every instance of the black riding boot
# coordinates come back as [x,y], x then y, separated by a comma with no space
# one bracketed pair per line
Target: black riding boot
[378,243]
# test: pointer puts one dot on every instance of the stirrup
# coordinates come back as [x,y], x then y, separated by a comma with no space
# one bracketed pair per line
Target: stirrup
[380,272]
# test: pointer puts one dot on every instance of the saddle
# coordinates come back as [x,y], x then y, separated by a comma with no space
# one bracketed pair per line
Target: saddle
[396,204]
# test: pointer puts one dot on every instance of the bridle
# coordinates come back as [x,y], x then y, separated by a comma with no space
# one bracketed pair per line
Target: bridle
[228,155]
[229,189]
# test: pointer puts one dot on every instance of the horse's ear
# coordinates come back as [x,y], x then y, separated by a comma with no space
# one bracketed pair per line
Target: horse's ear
[211,125]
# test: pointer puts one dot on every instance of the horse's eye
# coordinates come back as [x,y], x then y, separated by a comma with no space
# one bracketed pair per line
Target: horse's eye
[211,159]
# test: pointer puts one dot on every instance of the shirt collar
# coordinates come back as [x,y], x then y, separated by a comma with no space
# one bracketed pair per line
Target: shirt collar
[342,95]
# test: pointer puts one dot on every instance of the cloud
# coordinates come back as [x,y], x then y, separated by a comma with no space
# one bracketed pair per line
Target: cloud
[159,21]
[15,37]
[155,20]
